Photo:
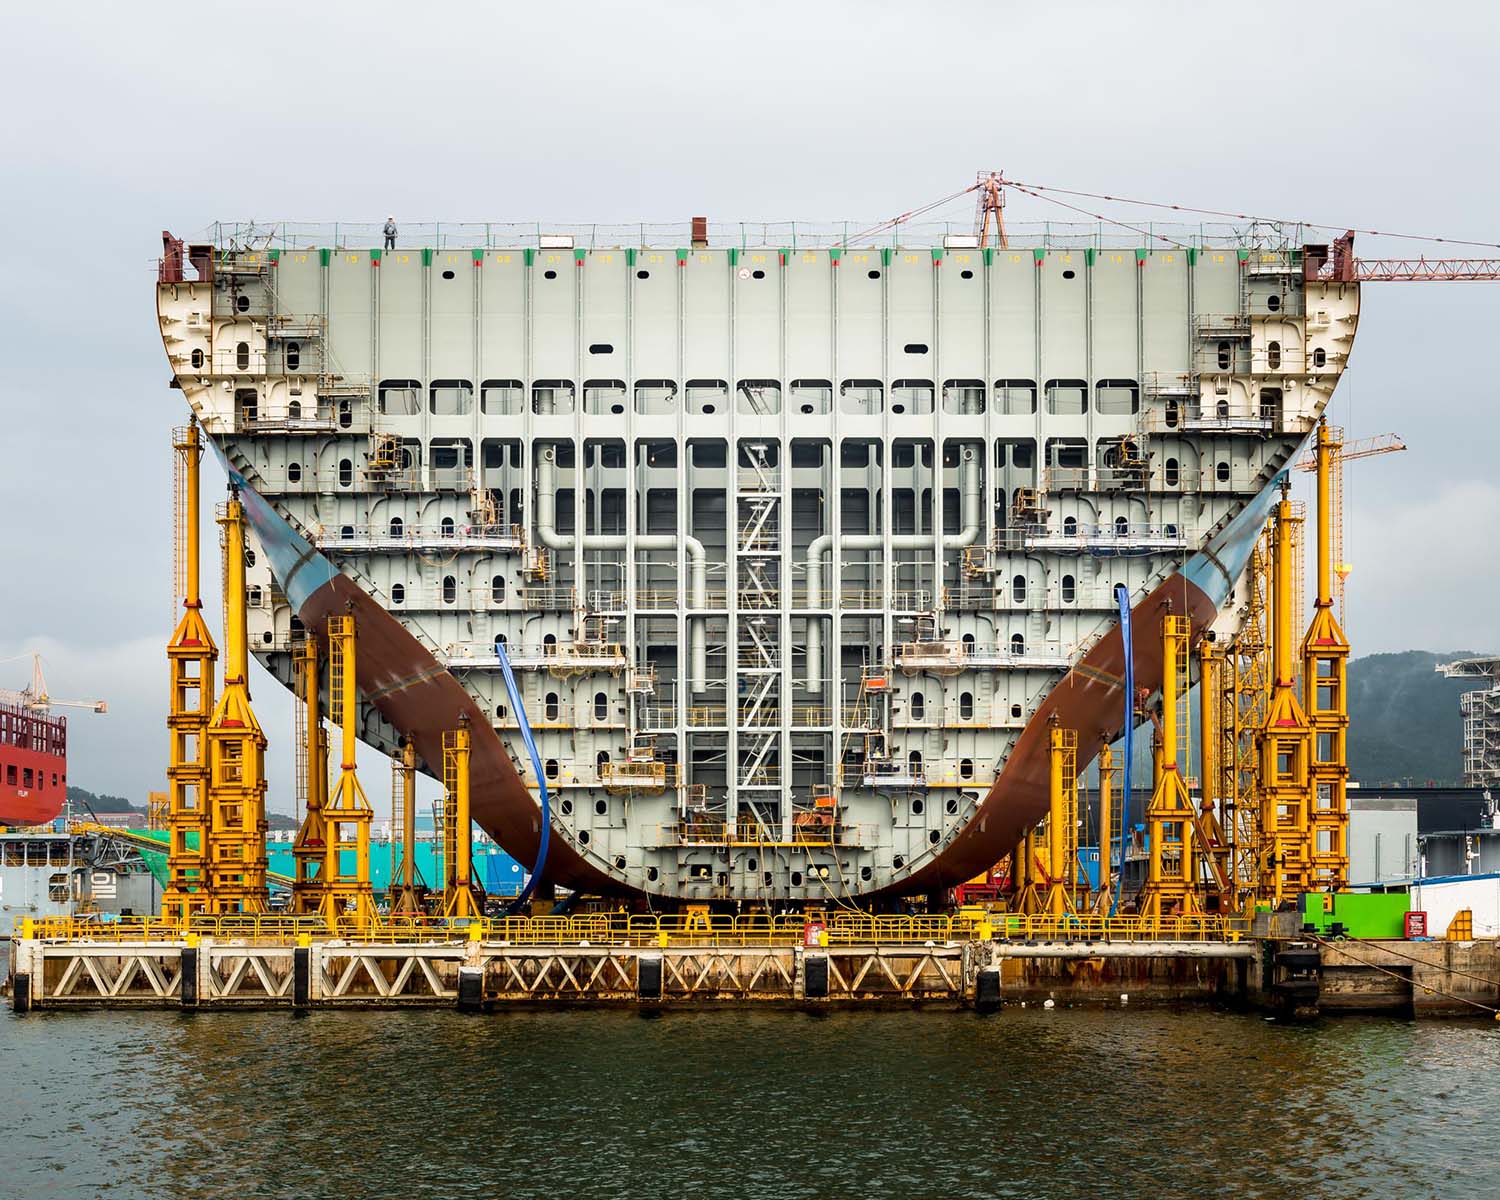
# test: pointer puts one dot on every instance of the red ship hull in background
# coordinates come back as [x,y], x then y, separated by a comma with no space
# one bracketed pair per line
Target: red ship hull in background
[33,765]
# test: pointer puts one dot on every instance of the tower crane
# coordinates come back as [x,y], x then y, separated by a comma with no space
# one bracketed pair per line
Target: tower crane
[1341,452]
[35,698]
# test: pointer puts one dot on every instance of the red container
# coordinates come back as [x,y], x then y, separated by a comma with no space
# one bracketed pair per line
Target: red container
[1416,925]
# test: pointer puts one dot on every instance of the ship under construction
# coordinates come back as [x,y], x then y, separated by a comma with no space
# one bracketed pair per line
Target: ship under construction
[803,545]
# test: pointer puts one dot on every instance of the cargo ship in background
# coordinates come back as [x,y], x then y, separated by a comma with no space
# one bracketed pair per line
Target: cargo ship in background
[34,751]
[798,543]
[33,765]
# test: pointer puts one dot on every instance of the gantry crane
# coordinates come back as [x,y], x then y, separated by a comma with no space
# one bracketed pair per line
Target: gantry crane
[35,698]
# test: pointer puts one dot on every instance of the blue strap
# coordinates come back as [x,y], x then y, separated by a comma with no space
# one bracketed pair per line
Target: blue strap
[519,709]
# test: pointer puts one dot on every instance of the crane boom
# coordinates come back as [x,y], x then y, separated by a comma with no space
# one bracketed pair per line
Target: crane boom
[34,697]
[1411,270]
[1381,443]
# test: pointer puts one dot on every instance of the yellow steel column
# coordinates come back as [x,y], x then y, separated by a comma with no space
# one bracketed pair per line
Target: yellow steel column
[1172,873]
[236,751]
[1017,877]
[191,655]
[1214,816]
[347,895]
[1106,825]
[1325,659]
[406,897]
[1062,827]
[459,894]
[310,850]
[1285,838]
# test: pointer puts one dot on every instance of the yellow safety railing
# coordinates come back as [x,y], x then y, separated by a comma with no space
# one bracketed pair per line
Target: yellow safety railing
[833,928]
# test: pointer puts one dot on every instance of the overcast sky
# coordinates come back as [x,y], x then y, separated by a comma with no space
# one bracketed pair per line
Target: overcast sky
[120,122]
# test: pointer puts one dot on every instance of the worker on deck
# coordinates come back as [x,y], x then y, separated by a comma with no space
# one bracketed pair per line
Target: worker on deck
[390,233]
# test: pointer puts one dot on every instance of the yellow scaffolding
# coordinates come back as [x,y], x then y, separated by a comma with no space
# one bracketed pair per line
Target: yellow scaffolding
[1111,829]
[310,849]
[236,844]
[461,900]
[1062,820]
[347,895]
[1172,869]
[406,887]
[1285,740]
[1325,660]
[191,655]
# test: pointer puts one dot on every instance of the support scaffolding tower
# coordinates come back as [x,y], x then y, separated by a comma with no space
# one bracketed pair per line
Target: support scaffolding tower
[347,894]
[236,858]
[191,656]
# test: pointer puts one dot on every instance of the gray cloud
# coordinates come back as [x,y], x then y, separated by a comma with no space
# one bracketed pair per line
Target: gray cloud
[121,122]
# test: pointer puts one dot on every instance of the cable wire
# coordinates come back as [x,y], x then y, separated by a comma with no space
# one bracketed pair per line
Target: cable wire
[1407,979]
[1239,216]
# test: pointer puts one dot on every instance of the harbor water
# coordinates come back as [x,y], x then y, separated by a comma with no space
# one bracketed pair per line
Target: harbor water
[594,1103]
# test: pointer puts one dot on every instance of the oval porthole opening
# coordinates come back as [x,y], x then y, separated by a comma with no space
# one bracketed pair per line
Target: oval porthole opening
[933,835]
[1069,274]
[652,874]
[549,274]
[898,408]
[866,874]
[643,274]
[807,410]
[601,807]
[566,807]
[619,862]
[583,837]
[966,274]
[898,862]
[874,274]
[447,274]
[708,409]
[757,274]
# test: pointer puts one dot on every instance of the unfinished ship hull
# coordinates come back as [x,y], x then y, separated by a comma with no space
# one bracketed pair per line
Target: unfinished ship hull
[797,552]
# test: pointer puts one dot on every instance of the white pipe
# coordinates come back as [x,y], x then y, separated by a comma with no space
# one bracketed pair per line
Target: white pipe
[546,531]
[973,507]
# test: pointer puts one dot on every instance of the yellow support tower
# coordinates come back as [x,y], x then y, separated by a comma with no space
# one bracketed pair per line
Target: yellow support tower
[406,891]
[1172,869]
[1213,814]
[1109,828]
[347,896]
[1244,679]
[310,850]
[1026,890]
[236,751]
[461,899]
[1062,820]
[1285,740]
[191,656]
[1325,660]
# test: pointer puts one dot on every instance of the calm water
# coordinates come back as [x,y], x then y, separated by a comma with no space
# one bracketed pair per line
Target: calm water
[735,1104]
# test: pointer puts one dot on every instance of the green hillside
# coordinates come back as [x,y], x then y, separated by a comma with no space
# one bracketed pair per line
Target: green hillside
[1404,723]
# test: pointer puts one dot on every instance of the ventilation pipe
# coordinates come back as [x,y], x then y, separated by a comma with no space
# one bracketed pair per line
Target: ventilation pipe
[973,508]
[546,531]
